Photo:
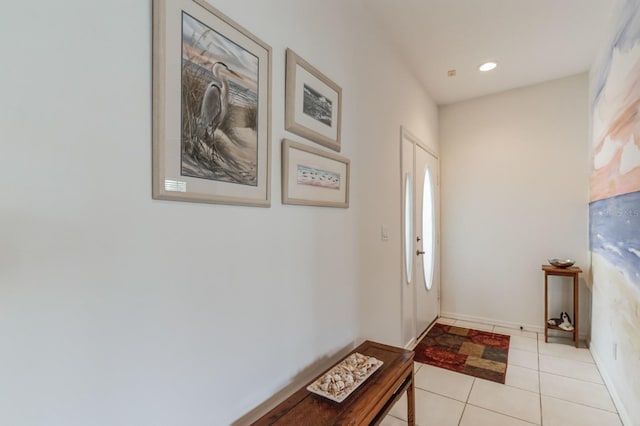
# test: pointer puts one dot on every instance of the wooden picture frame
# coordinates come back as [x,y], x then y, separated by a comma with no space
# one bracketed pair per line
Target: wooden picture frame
[312,177]
[313,103]
[211,107]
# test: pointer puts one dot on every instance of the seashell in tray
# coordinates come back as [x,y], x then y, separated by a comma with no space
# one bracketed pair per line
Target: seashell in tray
[345,377]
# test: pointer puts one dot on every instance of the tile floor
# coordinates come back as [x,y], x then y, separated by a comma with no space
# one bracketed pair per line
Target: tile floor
[548,384]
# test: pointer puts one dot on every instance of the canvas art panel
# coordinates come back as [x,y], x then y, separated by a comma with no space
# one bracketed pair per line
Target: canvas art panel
[615,178]
[313,177]
[212,93]
[615,207]
[313,106]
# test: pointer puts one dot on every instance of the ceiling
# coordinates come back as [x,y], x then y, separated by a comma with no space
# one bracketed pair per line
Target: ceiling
[532,41]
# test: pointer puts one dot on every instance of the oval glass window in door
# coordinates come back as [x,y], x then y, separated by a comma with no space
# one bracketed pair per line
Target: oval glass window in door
[408,228]
[428,229]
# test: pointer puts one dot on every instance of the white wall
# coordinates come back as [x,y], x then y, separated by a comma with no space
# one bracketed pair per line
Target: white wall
[380,269]
[118,309]
[514,168]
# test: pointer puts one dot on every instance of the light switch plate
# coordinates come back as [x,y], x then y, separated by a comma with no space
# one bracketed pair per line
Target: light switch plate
[384,233]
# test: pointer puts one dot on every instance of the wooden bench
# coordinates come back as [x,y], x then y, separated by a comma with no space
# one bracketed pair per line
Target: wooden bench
[367,405]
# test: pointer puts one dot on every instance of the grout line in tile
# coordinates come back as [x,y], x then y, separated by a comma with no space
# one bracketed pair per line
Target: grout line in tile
[567,359]
[580,403]
[539,379]
[606,387]
[575,378]
[519,388]
[506,415]
[470,388]
[396,417]
[540,396]
[473,383]
[515,387]
[443,396]
[462,415]
[522,366]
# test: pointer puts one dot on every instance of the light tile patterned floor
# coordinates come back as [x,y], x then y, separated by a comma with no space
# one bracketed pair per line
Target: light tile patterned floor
[548,384]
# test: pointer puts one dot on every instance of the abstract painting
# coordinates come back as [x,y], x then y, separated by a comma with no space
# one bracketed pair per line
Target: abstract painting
[615,179]
[614,209]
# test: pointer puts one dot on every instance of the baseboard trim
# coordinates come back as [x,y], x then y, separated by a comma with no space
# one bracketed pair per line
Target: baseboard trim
[507,324]
[493,321]
[410,344]
[622,411]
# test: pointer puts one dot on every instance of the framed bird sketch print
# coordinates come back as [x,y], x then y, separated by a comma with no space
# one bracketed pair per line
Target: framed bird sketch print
[313,104]
[312,177]
[211,107]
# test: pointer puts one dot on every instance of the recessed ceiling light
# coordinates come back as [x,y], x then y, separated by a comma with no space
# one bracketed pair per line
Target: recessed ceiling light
[487,66]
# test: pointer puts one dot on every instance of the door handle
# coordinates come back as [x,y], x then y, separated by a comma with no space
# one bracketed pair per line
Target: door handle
[419,252]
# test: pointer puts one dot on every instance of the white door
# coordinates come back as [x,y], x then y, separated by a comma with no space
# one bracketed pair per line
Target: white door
[408,246]
[420,243]
[427,272]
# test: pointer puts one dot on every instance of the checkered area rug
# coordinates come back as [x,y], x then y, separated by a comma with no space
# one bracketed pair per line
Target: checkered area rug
[476,353]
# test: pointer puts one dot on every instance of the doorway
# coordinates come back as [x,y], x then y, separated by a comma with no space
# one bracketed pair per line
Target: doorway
[421,240]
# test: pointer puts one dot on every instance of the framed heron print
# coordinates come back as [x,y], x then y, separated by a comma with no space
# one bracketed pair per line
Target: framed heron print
[313,104]
[314,177]
[211,107]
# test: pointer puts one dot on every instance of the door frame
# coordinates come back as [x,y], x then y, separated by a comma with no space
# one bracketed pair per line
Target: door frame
[405,134]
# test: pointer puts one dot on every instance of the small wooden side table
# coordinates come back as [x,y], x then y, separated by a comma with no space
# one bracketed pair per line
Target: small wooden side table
[573,271]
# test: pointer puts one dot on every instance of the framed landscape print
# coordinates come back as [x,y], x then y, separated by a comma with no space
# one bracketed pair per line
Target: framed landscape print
[312,177]
[211,107]
[313,107]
